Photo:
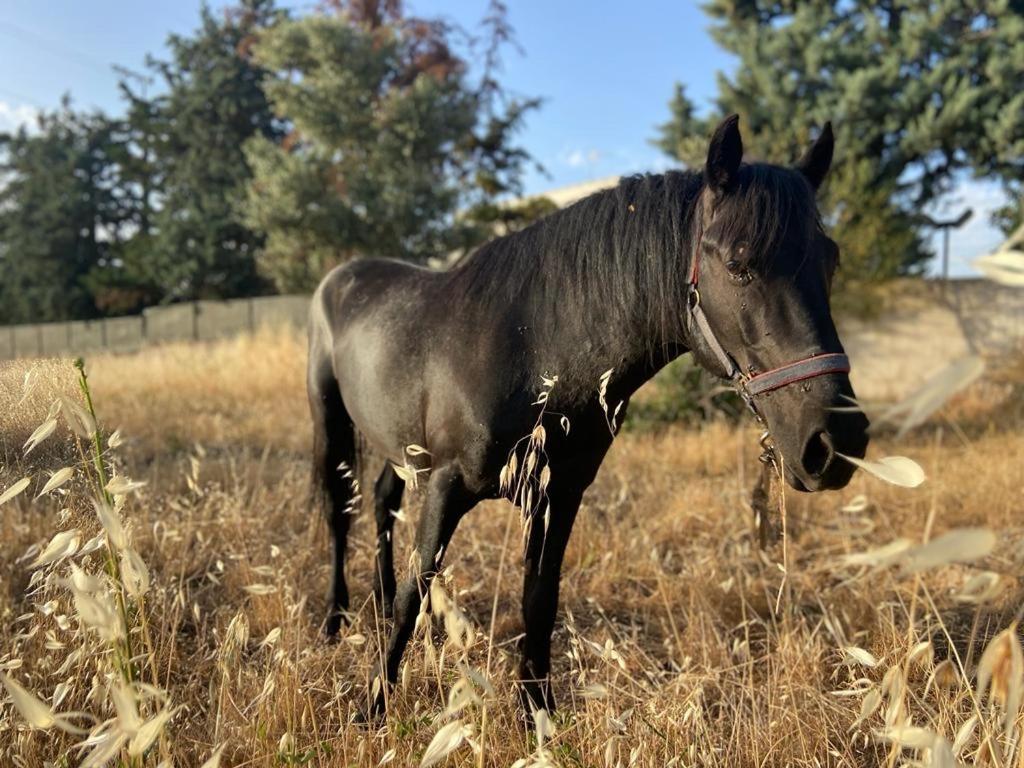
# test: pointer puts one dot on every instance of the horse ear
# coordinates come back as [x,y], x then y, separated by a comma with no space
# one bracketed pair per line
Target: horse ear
[816,161]
[724,155]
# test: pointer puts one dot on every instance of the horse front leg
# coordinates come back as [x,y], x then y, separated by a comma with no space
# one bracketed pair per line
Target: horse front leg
[446,502]
[545,551]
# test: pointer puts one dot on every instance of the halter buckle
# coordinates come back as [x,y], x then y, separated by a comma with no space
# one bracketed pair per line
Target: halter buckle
[768,450]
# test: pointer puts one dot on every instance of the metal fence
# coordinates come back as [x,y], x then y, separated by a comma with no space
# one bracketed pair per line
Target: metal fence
[193,321]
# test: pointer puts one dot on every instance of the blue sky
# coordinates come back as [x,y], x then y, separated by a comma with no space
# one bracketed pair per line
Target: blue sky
[605,69]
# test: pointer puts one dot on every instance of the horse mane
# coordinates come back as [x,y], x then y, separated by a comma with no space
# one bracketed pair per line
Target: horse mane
[769,203]
[626,250]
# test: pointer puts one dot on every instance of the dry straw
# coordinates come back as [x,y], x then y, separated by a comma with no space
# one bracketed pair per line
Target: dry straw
[175,623]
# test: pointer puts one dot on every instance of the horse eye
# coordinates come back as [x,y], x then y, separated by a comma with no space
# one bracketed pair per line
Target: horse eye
[738,272]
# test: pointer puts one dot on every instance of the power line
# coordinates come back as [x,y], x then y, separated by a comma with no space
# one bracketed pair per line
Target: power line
[59,49]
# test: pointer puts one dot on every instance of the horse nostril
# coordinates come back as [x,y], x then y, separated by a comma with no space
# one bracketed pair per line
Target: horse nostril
[818,454]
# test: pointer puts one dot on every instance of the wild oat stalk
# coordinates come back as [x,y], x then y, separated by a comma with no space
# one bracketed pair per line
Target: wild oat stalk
[111,609]
[526,484]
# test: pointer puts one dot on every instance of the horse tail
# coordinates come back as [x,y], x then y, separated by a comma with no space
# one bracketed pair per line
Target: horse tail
[335,486]
[337,447]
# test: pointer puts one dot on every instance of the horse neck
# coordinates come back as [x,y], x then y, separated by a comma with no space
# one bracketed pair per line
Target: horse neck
[634,346]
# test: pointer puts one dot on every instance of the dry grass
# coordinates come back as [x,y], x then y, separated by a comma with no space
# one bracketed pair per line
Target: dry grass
[669,650]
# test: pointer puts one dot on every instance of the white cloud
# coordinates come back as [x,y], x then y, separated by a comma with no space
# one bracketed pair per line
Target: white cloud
[580,158]
[13,116]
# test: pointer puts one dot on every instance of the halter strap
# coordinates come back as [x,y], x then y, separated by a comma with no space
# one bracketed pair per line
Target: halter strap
[768,381]
[808,368]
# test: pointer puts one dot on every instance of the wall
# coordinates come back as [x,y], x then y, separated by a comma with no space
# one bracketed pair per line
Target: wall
[894,353]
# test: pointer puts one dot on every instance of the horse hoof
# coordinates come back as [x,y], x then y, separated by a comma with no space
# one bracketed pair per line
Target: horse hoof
[367,718]
[533,697]
[333,624]
[376,699]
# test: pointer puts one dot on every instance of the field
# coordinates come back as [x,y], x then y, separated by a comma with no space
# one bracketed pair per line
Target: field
[679,641]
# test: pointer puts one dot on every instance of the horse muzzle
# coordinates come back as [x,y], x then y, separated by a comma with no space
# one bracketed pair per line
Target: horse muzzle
[819,467]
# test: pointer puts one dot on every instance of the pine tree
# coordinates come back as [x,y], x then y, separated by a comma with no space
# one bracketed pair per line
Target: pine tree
[126,282]
[920,92]
[388,138]
[214,103]
[61,214]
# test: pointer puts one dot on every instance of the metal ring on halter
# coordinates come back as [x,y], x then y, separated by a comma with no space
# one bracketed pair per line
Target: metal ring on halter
[768,450]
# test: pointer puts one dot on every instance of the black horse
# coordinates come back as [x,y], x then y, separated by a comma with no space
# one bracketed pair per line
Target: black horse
[602,295]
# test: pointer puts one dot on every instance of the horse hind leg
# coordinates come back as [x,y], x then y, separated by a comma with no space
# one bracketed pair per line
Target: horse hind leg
[387,500]
[447,500]
[334,458]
